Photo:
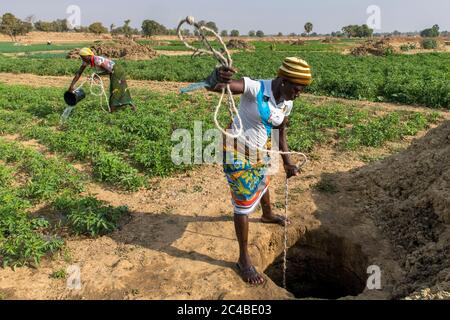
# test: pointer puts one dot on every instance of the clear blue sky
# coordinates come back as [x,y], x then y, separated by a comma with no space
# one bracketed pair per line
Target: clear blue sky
[271,16]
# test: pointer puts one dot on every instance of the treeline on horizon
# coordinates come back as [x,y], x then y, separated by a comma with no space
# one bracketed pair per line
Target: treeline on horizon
[14,26]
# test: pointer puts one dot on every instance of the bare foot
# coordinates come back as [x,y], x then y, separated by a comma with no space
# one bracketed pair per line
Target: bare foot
[250,275]
[275,219]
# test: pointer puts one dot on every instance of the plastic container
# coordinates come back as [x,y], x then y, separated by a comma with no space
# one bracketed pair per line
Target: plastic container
[72,98]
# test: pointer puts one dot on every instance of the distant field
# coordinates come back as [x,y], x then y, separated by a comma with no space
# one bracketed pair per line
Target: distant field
[422,79]
[9,47]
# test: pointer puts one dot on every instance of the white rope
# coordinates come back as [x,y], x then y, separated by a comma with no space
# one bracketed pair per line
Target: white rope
[96,81]
[286,202]
[225,61]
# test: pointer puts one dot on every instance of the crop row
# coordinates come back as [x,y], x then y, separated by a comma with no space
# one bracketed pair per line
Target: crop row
[411,79]
[28,178]
[126,147]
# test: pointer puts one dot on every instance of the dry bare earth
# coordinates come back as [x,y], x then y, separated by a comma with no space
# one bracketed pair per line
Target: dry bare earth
[57,37]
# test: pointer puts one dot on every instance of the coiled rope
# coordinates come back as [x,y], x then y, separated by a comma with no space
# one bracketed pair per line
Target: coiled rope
[96,81]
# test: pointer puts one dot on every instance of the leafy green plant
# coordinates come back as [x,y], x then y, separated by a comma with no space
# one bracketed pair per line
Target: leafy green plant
[59,274]
[89,216]
[429,44]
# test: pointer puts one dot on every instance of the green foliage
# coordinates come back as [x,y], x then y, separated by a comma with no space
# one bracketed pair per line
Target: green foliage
[59,274]
[432,32]
[234,33]
[357,31]
[89,216]
[260,34]
[97,28]
[413,79]
[408,46]
[151,28]
[429,44]
[377,131]
[48,176]
[59,25]
[13,26]
[8,47]
[23,239]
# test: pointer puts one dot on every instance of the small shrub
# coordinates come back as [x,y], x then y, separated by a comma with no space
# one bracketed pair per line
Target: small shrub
[429,44]
[89,216]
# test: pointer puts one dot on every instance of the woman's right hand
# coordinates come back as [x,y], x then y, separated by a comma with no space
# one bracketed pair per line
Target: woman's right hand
[225,74]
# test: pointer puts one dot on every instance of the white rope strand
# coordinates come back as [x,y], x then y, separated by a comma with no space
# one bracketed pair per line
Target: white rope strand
[96,81]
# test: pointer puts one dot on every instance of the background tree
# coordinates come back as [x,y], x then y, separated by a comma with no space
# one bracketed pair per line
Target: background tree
[59,25]
[252,33]
[212,26]
[224,33]
[357,31]
[234,33]
[260,34]
[308,27]
[126,30]
[432,32]
[151,28]
[13,27]
[280,34]
[97,28]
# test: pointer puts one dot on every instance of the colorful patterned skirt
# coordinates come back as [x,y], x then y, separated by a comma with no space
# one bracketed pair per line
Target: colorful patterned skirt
[248,181]
[119,92]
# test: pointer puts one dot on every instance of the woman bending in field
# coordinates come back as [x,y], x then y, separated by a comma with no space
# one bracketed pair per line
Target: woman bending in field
[265,105]
[119,94]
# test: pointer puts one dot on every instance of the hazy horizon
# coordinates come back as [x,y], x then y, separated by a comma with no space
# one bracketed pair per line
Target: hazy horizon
[284,16]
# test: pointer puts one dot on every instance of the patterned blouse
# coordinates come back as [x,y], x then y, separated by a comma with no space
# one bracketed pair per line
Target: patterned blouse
[101,64]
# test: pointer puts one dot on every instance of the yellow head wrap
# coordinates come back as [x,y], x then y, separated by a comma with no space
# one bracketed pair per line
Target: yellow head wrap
[296,71]
[85,52]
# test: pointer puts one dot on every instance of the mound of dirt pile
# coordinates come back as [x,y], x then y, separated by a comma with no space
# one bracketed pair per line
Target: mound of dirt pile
[240,44]
[330,40]
[408,197]
[294,42]
[380,47]
[121,48]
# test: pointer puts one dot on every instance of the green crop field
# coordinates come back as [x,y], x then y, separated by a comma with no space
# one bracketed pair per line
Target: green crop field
[9,47]
[422,79]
